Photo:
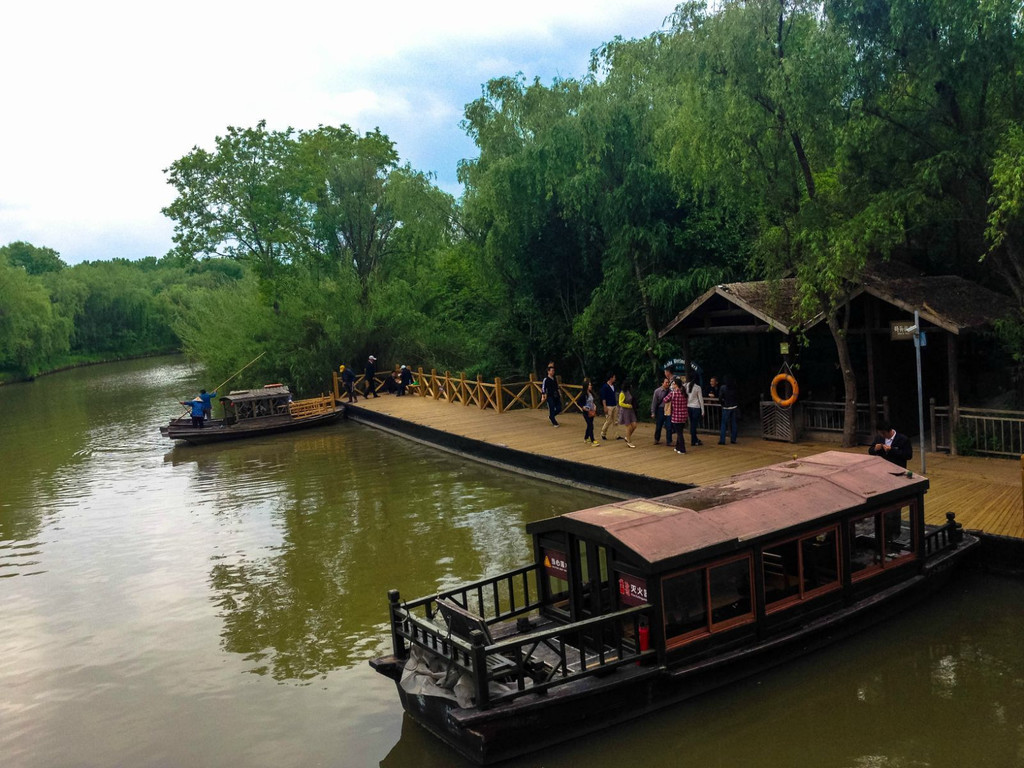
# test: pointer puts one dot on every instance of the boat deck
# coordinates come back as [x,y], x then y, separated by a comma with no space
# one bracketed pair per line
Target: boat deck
[985,493]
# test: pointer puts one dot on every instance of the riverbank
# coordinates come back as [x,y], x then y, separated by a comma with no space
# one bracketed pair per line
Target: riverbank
[84,363]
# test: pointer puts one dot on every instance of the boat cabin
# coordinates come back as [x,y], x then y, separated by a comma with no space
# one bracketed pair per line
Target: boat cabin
[268,400]
[738,559]
[636,604]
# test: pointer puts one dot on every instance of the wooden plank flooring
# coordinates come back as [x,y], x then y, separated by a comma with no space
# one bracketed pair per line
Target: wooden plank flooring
[985,493]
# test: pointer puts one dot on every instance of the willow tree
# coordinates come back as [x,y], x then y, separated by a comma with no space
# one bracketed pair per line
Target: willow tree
[766,106]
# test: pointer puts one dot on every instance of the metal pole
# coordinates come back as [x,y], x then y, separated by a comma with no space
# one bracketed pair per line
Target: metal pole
[920,388]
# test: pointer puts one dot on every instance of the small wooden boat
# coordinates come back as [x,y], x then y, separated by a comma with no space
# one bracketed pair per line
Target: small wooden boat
[255,412]
[634,605]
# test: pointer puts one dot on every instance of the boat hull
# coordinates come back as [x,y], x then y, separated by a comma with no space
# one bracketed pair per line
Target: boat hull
[216,431]
[534,722]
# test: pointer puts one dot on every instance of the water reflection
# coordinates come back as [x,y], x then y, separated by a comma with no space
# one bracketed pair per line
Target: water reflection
[333,517]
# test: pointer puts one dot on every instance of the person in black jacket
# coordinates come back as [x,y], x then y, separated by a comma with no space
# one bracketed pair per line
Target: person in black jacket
[891,445]
[368,377]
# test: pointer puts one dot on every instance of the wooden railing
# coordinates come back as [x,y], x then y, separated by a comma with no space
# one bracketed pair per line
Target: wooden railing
[988,431]
[570,652]
[822,416]
[314,406]
[944,536]
[497,395]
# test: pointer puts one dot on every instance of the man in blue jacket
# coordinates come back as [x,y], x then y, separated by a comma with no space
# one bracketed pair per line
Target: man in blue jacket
[197,407]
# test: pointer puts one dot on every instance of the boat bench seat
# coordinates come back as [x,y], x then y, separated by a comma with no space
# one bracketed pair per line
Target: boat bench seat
[463,623]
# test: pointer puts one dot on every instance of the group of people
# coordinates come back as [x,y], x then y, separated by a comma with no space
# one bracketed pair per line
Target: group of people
[396,383]
[677,401]
[200,407]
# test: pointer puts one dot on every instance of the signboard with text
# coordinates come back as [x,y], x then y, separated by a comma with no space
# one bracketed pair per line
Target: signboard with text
[901,330]
[555,564]
[632,589]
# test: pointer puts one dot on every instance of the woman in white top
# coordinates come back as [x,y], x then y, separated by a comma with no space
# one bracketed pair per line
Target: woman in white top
[695,407]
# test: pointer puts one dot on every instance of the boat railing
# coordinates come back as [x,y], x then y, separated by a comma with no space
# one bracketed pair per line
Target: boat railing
[944,536]
[495,599]
[314,406]
[526,662]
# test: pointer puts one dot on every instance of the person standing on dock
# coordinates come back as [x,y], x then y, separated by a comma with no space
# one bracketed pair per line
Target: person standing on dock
[206,397]
[661,419]
[695,407]
[891,445]
[589,411]
[369,375]
[610,401]
[348,380]
[730,400]
[551,395]
[404,379]
[676,400]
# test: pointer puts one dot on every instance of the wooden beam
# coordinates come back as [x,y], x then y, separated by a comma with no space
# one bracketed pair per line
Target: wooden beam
[726,329]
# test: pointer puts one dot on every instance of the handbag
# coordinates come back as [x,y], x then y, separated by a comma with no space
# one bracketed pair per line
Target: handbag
[668,409]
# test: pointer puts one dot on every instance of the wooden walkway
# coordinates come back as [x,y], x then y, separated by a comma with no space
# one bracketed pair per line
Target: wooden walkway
[985,493]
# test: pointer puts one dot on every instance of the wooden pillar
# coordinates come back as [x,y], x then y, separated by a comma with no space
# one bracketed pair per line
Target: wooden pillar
[871,323]
[337,394]
[954,391]
[499,395]
[533,391]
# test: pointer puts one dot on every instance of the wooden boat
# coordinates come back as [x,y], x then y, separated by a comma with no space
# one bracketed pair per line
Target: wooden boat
[634,605]
[256,412]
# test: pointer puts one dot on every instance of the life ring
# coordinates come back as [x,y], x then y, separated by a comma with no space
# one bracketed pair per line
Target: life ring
[775,390]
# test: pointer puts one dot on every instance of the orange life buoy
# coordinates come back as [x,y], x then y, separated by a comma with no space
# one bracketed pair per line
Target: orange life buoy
[775,390]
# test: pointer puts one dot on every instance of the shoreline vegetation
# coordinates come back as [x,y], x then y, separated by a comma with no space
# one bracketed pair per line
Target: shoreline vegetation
[743,141]
[84,363]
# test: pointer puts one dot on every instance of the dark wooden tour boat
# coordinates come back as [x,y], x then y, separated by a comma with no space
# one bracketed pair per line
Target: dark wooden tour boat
[256,412]
[634,605]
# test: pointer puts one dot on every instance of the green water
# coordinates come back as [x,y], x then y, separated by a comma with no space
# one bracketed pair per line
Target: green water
[216,605]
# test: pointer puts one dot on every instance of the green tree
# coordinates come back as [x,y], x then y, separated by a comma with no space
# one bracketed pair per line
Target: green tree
[35,260]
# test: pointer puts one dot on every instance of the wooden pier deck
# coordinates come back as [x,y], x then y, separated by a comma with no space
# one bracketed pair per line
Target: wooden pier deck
[985,493]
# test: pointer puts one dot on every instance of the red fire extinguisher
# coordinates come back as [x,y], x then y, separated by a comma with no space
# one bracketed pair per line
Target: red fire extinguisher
[644,636]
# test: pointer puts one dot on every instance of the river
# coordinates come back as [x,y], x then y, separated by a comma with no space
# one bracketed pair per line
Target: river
[216,606]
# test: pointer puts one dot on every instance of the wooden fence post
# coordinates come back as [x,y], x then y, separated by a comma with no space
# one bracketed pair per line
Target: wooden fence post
[462,388]
[499,399]
[448,386]
[931,416]
[480,391]
[533,391]
[337,394]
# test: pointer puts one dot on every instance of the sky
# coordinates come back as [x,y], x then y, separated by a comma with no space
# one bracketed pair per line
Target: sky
[99,98]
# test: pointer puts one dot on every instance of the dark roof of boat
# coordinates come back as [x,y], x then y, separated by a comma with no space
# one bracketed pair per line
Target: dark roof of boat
[268,390]
[683,527]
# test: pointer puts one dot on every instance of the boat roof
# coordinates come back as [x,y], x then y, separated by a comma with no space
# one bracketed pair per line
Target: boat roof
[267,390]
[669,531]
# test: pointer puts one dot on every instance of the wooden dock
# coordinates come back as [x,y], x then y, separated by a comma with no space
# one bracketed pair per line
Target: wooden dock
[985,493]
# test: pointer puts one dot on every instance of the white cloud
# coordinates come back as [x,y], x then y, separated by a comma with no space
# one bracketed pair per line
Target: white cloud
[99,98]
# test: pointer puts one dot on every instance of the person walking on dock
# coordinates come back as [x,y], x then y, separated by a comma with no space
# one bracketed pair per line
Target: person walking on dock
[348,380]
[627,413]
[677,402]
[551,395]
[661,419]
[589,411]
[369,376]
[610,401]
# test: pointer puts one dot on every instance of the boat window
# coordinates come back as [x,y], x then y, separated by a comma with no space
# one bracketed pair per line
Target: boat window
[800,568]
[730,591]
[685,605]
[706,600]
[881,540]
